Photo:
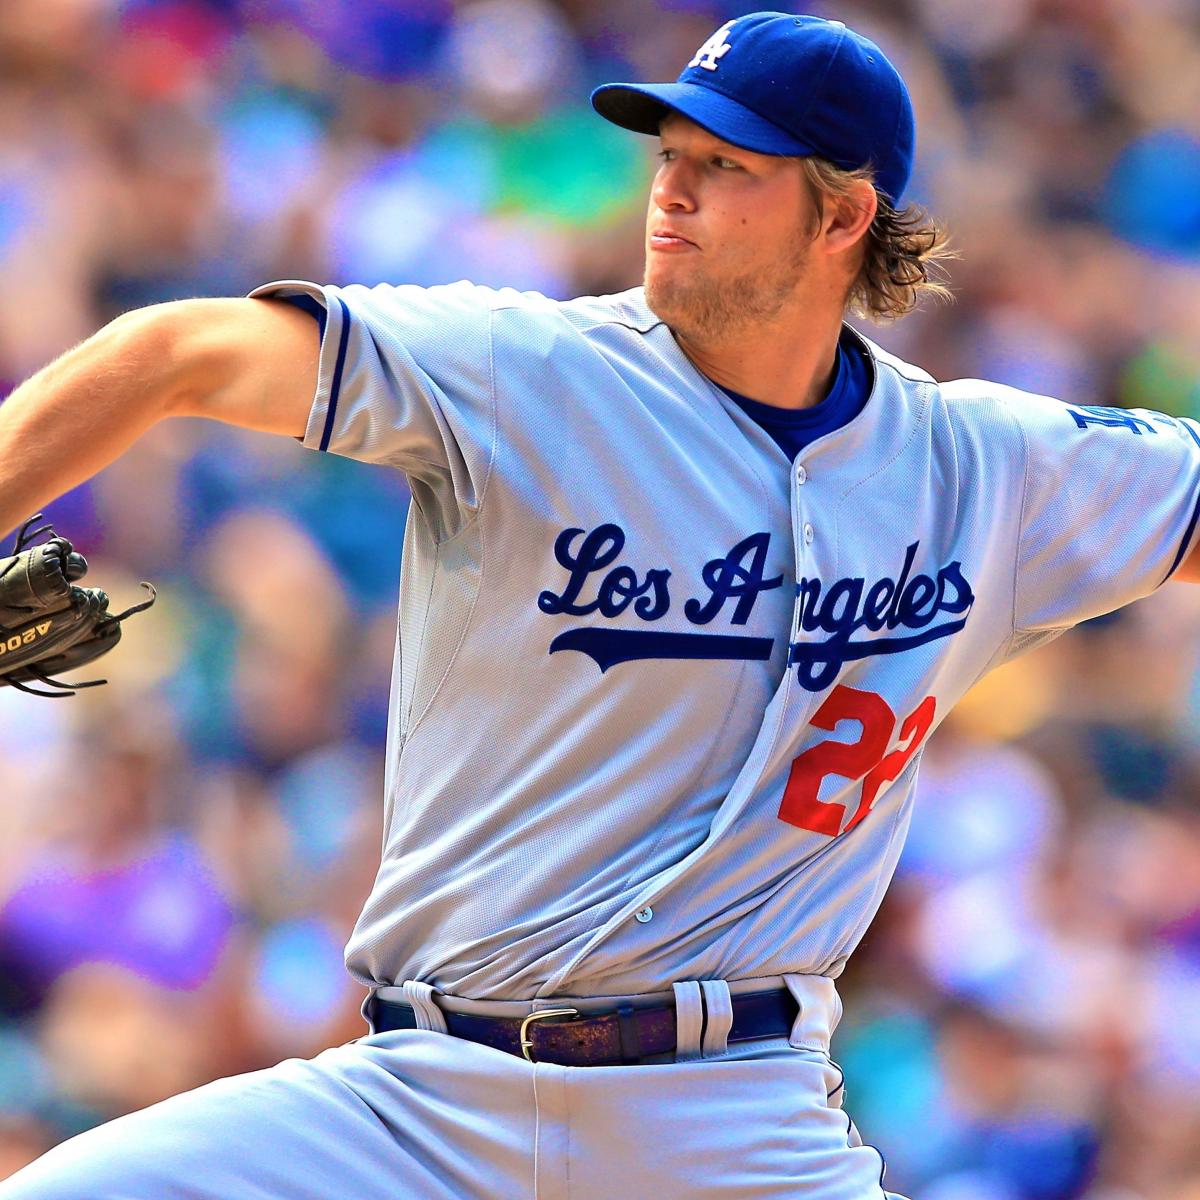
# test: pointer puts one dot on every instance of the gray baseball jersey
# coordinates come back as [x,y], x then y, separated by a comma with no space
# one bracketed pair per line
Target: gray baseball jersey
[660,694]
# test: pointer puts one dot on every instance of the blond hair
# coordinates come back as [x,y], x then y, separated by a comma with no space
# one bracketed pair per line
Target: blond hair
[904,249]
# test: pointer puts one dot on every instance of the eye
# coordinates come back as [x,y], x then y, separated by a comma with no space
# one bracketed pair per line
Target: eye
[666,155]
[726,164]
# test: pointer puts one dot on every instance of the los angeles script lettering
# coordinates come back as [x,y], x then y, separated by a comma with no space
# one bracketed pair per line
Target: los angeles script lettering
[897,613]
[910,602]
[597,583]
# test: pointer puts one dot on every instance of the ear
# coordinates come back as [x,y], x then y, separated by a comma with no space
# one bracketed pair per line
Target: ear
[848,218]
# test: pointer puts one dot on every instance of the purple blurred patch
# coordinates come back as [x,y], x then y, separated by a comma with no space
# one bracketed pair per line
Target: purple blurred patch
[383,39]
[161,914]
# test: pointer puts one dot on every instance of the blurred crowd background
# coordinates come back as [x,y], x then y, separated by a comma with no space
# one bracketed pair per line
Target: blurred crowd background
[182,855]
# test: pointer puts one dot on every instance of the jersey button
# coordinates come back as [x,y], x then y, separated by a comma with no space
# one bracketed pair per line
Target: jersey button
[644,914]
[801,475]
[808,534]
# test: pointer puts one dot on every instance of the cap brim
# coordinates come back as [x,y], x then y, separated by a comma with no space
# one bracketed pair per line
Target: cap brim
[641,107]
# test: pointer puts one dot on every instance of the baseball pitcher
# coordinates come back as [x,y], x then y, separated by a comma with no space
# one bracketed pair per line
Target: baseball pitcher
[690,576]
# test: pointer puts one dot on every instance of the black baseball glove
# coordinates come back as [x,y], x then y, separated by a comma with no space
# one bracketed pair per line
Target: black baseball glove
[47,624]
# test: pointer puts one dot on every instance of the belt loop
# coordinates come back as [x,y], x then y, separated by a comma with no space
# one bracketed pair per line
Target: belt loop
[631,1051]
[718,1007]
[427,1013]
[689,1020]
[820,1010]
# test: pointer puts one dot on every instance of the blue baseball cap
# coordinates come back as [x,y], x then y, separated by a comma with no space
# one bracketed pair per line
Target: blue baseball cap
[783,84]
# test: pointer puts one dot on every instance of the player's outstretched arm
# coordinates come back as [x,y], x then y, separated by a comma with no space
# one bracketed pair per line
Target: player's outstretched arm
[251,363]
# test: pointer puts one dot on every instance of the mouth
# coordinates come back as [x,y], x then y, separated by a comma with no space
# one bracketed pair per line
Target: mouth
[669,239]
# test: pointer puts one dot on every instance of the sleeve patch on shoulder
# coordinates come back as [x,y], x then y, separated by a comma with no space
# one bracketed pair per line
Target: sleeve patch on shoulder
[1113,418]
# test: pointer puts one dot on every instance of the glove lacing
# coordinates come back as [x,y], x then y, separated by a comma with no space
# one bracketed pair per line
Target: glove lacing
[23,540]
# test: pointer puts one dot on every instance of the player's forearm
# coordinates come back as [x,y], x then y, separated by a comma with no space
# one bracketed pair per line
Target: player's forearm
[81,412]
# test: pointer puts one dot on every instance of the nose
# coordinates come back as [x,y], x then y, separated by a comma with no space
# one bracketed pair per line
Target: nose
[673,189]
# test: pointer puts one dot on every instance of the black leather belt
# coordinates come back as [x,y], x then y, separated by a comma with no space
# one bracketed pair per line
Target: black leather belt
[626,1035]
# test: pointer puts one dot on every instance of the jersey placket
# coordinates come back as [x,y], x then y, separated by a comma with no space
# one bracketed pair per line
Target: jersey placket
[785,716]
[782,715]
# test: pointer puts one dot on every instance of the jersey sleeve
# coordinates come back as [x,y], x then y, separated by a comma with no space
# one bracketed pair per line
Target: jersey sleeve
[405,380]
[1108,511]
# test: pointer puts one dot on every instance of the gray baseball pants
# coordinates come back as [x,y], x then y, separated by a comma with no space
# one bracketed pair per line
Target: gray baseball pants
[417,1113]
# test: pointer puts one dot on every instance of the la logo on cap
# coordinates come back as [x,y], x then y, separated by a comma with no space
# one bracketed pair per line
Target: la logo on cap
[714,49]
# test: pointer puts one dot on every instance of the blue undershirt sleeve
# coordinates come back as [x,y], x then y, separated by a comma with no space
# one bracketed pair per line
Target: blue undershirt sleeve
[313,307]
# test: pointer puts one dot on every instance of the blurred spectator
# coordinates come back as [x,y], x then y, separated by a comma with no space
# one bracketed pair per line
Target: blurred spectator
[117,885]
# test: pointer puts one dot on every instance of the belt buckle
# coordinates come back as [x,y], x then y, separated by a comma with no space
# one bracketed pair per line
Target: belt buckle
[541,1015]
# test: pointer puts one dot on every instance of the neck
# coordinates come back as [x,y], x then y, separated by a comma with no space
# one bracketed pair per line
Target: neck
[787,363]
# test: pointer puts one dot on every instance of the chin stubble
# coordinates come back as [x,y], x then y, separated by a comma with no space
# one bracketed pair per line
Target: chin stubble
[705,309]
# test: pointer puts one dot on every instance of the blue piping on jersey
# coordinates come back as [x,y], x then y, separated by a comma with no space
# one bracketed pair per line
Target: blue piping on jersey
[336,386]
[608,647]
[1187,537]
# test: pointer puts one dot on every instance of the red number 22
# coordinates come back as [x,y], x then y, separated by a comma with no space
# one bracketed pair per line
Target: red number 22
[865,759]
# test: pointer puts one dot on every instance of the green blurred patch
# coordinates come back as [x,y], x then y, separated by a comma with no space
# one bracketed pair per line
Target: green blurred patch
[1164,376]
[565,166]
